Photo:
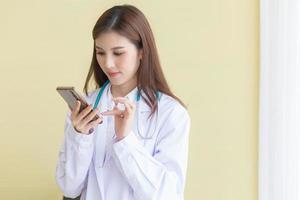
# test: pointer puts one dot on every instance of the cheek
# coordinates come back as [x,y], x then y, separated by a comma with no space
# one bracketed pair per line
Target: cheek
[127,62]
[99,60]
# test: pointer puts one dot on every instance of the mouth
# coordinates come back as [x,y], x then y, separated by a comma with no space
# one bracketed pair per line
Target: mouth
[114,74]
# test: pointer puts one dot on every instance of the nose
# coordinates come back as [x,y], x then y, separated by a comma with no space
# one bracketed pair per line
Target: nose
[109,62]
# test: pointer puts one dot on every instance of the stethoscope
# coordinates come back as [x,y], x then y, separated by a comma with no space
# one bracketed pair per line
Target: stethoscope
[138,98]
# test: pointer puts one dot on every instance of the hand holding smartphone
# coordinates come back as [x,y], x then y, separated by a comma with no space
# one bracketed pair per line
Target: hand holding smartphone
[83,117]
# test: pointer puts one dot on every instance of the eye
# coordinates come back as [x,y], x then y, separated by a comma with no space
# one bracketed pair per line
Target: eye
[100,53]
[118,53]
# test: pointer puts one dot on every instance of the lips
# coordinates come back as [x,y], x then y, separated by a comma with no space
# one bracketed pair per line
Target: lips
[113,74]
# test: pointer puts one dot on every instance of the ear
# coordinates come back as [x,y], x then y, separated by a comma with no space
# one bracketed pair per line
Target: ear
[140,56]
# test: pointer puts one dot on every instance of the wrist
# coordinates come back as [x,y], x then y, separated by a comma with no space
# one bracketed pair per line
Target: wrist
[118,138]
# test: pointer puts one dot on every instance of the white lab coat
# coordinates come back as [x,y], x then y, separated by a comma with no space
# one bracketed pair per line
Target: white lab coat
[99,168]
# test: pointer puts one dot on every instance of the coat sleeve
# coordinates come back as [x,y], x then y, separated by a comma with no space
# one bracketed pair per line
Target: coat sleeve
[161,176]
[75,156]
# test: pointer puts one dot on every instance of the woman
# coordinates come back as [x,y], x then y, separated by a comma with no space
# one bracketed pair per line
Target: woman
[138,147]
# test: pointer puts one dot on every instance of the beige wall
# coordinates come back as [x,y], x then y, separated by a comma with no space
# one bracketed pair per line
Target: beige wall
[209,52]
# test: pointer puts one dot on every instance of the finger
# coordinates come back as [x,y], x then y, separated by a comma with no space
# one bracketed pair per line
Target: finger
[111,112]
[120,111]
[93,124]
[120,106]
[84,112]
[121,100]
[77,129]
[128,108]
[115,111]
[90,116]
[131,104]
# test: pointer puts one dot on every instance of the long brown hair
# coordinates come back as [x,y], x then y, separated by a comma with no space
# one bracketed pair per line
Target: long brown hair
[131,23]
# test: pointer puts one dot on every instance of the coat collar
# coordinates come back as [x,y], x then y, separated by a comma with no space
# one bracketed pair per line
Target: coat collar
[142,105]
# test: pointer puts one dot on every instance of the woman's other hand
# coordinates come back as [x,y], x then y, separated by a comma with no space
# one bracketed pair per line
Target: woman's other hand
[123,118]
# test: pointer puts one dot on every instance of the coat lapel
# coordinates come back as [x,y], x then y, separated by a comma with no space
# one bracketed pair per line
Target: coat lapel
[101,133]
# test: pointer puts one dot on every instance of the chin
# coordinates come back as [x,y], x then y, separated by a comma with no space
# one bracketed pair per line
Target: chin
[116,82]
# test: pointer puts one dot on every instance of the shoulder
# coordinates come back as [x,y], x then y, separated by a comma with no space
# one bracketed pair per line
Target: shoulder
[174,119]
[171,107]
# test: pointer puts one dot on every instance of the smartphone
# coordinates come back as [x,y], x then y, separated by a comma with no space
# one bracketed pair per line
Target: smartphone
[71,96]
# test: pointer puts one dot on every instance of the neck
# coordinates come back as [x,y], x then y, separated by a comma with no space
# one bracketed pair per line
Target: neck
[124,89]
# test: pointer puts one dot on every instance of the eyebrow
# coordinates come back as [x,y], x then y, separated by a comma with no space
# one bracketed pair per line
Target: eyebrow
[117,47]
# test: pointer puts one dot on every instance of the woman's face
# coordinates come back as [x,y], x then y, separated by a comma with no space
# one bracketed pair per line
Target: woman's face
[118,57]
